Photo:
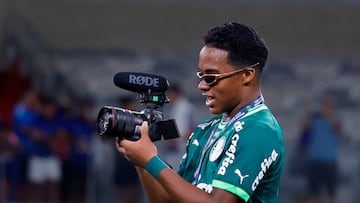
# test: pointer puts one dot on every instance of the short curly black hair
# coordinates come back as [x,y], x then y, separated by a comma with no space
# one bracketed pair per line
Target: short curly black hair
[243,44]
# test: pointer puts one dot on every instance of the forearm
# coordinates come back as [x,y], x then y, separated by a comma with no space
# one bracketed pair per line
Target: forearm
[179,189]
[164,185]
[153,190]
[169,187]
[182,191]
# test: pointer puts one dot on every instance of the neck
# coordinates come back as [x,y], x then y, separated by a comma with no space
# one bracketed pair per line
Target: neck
[245,101]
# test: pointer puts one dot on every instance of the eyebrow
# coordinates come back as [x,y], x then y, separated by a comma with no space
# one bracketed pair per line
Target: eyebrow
[210,70]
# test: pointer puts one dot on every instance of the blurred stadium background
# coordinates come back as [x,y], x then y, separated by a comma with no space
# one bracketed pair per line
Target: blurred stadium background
[71,49]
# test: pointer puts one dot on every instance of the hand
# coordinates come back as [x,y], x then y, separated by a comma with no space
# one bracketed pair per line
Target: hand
[138,152]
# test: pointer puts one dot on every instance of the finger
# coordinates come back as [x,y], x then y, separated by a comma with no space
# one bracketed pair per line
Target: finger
[117,141]
[144,130]
[119,145]
[126,157]
[121,150]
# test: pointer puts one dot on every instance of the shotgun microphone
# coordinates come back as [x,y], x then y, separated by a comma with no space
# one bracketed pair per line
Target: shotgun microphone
[141,82]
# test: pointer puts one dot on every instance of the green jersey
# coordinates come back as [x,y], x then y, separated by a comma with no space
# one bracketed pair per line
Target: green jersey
[244,157]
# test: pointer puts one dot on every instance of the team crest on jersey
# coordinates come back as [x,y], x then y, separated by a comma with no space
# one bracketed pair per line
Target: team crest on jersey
[217,149]
[238,125]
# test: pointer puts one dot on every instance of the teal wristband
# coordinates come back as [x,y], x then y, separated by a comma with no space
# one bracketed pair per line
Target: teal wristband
[155,166]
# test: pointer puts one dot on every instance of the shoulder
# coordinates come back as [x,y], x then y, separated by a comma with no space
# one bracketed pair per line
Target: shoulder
[261,128]
[208,123]
[205,126]
[262,120]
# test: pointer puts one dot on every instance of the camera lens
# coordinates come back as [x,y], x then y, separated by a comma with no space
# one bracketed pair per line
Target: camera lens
[118,122]
[104,121]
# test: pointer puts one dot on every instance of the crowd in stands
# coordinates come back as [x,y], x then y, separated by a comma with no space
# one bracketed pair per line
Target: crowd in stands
[45,145]
[50,148]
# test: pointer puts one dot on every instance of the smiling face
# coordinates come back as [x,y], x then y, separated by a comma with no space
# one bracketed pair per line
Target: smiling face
[226,95]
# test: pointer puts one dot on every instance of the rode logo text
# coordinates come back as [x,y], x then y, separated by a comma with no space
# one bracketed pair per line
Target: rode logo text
[144,80]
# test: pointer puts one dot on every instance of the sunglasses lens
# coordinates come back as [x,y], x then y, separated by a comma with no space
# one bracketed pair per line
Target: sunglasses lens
[209,79]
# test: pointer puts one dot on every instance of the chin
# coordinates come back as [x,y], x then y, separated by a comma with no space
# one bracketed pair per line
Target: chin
[215,111]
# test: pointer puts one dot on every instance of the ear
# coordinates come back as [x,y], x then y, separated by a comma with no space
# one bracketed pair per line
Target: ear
[249,75]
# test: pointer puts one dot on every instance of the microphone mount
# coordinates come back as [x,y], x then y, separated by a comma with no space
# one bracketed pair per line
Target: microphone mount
[153,99]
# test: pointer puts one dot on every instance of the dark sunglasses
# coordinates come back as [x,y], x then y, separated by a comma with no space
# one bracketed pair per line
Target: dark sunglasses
[212,79]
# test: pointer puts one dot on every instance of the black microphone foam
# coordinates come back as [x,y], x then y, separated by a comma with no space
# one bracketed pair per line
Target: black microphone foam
[141,82]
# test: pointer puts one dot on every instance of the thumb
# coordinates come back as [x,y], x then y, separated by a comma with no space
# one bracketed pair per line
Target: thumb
[144,130]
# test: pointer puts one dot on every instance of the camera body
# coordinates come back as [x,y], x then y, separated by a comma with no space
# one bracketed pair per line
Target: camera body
[125,124]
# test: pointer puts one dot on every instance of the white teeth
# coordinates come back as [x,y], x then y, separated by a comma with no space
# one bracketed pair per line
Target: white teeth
[209,101]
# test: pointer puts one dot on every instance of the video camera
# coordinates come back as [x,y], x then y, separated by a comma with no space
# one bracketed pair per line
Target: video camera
[124,123]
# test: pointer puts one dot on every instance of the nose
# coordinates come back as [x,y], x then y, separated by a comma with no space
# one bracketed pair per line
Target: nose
[203,86]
